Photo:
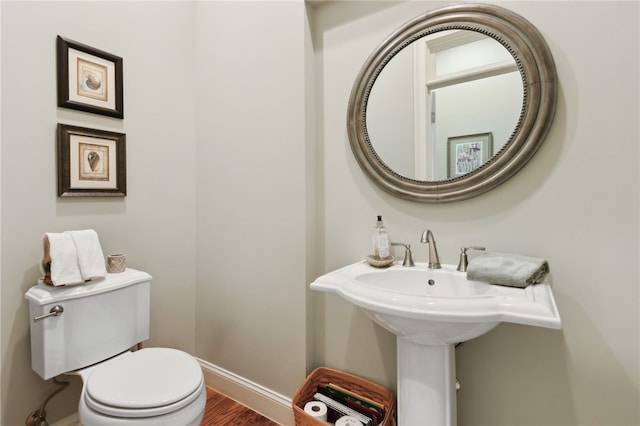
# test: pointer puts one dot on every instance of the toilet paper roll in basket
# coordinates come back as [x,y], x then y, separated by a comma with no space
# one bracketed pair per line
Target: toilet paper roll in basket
[348,421]
[116,263]
[316,409]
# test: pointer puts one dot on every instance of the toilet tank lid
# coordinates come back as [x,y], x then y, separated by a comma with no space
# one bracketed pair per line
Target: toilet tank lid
[43,294]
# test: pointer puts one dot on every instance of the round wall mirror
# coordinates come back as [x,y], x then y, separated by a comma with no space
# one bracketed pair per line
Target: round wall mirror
[453,103]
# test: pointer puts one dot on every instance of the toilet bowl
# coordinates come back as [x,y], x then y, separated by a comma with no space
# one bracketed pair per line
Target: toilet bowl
[88,330]
[153,386]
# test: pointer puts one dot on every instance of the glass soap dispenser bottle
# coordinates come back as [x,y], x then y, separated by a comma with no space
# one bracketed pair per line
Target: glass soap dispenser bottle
[380,241]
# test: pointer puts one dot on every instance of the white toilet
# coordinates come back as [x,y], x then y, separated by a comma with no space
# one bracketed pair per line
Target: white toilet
[91,335]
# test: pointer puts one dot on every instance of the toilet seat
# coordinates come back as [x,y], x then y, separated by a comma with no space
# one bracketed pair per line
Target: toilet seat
[149,382]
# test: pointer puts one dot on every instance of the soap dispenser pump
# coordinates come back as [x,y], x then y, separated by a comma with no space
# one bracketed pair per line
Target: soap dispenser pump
[380,240]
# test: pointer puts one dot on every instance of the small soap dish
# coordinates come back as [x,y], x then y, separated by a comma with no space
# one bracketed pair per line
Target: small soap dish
[380,263]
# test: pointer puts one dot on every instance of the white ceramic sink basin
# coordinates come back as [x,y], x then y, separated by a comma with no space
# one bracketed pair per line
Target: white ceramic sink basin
[429,310]
[438,306]
[423,283]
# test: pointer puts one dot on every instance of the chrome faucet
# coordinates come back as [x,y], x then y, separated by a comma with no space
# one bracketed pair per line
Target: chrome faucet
[434,260]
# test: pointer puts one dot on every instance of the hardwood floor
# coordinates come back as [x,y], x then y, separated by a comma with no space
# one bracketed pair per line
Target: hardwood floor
[223,411]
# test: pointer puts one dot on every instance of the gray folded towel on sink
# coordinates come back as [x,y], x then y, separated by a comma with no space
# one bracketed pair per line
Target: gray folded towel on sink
[507,269]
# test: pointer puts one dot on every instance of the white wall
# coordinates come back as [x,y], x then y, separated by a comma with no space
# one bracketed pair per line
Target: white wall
[154,224]
[1,351]
[390,114]
[575,203]
[252,190]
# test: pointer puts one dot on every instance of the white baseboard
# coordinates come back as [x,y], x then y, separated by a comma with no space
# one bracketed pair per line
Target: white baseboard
[270,404]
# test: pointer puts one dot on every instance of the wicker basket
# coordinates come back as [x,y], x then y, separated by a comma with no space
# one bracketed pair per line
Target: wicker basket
[322,376]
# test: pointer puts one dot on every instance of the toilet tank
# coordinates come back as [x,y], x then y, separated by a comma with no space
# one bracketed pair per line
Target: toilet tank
[99,320]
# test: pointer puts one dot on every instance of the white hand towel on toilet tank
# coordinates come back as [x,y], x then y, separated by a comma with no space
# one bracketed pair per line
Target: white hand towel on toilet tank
[90,255]
[64,259]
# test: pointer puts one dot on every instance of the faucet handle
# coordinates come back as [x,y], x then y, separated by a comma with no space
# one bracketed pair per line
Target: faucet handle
[408,258]
[464,261]
[464,249]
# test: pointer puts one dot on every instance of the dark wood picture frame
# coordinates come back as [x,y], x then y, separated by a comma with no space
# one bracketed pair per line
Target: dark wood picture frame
[89,79]
[91,163]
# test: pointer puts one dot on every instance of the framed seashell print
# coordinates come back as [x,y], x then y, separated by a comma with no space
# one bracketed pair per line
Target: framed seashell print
[89,79]
[91,163]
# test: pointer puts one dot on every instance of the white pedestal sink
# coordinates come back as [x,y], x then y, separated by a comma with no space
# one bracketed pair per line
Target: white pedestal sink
[430,311]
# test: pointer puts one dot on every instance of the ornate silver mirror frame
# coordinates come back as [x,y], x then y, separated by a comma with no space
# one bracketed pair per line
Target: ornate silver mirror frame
[537,69]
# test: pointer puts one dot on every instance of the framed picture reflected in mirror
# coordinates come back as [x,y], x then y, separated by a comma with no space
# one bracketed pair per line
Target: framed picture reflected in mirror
[467,153]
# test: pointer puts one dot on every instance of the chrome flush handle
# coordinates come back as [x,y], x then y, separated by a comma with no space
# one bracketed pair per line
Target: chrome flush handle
[54,312]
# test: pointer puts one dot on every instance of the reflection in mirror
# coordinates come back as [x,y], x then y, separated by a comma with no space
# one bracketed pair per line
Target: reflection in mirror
[492,109]
[444,104]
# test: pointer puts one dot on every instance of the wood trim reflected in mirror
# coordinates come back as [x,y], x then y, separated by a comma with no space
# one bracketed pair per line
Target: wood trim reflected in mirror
[537,69]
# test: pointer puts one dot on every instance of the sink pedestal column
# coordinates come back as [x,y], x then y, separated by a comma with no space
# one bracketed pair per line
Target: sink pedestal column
[426,384]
